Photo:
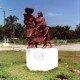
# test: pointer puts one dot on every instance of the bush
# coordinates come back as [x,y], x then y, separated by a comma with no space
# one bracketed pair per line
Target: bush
[1,40]
[18,41]
[56,41]
[73,40]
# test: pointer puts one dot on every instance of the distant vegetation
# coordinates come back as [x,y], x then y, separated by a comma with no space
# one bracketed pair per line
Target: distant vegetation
[13,29]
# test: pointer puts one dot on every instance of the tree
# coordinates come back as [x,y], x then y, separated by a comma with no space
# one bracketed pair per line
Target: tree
[10,26]
[65,32]
[20,31]
[1,31]
[60,32]
[77,31]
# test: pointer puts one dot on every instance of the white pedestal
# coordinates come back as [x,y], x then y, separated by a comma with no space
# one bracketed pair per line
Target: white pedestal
[41,59]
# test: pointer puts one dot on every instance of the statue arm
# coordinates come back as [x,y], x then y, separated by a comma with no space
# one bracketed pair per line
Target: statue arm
[42,22]
[24,18]
[34,21]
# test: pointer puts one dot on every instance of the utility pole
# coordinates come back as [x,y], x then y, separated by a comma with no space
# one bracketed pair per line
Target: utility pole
[4,12]
[4,17]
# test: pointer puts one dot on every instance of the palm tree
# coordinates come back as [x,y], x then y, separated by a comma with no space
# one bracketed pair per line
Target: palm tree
[11,25]
[11,19]
[20,31]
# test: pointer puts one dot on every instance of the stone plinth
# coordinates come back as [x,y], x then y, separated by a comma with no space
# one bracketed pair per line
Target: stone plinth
[39,59]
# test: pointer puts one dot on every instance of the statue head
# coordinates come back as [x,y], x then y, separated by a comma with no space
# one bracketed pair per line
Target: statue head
[40,14]
[29,10]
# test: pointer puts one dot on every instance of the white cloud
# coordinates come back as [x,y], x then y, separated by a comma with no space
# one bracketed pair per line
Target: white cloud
[53,14]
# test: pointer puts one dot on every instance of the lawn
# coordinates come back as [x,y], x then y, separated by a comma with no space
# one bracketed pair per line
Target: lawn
[13,67]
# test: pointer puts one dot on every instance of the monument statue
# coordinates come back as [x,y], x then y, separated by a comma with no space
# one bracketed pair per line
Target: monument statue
[37,30]
[42,59]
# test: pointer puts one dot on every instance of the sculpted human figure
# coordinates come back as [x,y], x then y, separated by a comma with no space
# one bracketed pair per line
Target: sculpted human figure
[42,31]
[40,25]
[36,29]
[29,21]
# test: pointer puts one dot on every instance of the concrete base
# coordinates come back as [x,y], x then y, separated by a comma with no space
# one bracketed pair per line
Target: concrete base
[6,44]
[39,59]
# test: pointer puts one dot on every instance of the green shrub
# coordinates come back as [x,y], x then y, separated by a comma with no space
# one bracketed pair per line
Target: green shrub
[73,40]
[18,41]
[1,40]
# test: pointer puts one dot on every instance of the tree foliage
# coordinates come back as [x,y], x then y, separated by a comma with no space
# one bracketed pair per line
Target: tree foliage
[1,31]
[13,29]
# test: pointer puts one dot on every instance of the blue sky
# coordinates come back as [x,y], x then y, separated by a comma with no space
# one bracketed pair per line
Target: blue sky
[56,12]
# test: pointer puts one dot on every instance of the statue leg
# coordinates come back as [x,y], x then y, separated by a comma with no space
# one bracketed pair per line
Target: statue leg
[35,43]
[50,44]
[30,40]
[44,44]
[31,43]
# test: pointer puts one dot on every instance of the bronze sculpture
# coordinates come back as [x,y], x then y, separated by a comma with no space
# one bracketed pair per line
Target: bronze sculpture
[37,31]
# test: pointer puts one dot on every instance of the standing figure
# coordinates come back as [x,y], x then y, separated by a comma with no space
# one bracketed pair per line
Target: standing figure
[40,25]
[29,21]
[42,31]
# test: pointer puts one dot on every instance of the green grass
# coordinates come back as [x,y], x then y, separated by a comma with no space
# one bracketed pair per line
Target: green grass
[13,66]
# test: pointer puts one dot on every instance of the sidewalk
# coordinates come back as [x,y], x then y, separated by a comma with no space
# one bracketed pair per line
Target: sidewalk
[69,47]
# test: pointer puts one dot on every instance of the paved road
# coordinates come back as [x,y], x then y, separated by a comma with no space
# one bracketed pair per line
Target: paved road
[68,47]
